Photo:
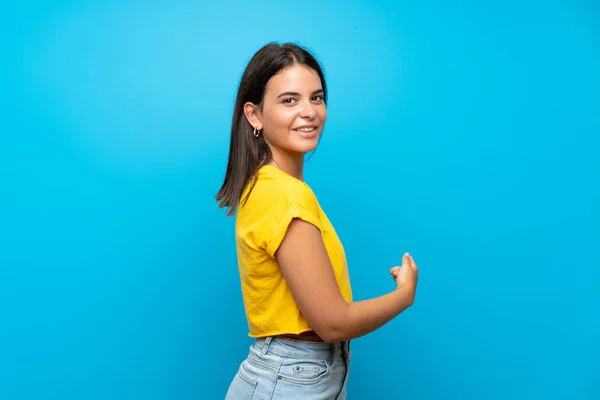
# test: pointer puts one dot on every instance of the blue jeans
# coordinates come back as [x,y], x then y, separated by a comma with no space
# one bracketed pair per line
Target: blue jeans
[281,368]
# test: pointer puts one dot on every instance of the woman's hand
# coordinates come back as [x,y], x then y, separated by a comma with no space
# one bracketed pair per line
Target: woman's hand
[407,274]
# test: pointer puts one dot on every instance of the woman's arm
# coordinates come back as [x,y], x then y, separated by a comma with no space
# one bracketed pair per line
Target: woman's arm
[305,265]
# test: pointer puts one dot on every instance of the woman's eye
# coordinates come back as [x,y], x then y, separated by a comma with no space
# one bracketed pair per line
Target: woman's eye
[289,100]
[318,98]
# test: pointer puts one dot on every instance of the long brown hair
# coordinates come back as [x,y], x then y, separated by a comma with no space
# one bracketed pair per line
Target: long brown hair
[248,153]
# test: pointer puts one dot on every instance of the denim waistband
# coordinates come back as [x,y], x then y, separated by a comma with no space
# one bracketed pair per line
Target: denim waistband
[300,348]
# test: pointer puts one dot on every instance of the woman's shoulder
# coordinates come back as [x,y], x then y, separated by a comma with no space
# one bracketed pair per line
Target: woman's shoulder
[274,201]
[275,188]
[276,185]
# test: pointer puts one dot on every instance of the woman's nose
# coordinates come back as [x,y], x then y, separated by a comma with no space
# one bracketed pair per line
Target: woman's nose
[308,111]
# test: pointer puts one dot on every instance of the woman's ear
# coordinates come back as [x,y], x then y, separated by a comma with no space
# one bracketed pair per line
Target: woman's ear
[252,113]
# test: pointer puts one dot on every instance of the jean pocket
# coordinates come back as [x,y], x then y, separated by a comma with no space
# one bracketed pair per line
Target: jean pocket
[242,387]
[304,371]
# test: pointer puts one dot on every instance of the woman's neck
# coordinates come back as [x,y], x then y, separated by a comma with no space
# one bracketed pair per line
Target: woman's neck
[293,166]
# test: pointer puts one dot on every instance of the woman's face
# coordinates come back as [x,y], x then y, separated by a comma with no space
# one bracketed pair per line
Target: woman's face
[293,111]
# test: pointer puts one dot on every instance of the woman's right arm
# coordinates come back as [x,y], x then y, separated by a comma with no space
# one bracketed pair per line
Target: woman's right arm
[305,265]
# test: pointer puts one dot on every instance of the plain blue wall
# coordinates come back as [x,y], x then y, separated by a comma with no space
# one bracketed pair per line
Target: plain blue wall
[467,134]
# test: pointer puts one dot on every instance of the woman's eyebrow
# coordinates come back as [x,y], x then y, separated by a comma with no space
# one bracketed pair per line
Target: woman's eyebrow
[318,91]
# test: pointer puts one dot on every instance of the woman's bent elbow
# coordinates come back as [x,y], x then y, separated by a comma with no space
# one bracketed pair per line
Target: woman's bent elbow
[332,328]
[333,332]
[334,336]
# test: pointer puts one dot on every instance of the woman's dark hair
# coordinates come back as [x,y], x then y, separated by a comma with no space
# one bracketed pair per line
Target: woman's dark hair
[248,153]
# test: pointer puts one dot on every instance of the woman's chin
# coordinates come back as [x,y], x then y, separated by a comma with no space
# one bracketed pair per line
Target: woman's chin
[308,147]
[301,145]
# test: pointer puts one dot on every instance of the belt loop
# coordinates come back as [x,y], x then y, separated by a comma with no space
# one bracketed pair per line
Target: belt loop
[335,353]
[266,346]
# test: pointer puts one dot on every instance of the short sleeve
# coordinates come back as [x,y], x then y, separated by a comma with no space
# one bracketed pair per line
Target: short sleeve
[302,209]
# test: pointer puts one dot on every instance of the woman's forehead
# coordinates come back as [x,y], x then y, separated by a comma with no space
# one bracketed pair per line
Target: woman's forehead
[297,78]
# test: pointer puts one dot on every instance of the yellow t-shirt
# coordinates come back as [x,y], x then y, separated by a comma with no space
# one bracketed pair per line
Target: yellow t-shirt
[261,224]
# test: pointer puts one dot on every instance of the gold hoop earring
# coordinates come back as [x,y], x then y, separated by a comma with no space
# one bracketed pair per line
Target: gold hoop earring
[256,133]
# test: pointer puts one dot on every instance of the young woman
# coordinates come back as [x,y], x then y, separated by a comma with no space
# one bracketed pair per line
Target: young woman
[294,278]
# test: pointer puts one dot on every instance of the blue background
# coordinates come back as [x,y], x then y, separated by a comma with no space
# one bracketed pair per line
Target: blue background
[466,133]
